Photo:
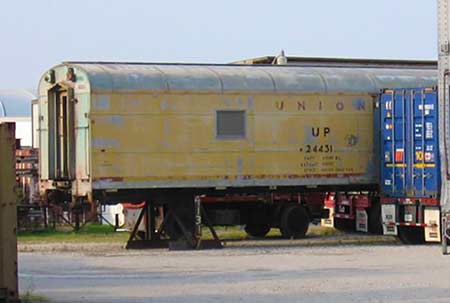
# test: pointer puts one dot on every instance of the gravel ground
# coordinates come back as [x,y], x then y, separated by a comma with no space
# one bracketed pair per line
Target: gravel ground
[382,273]
[95,248]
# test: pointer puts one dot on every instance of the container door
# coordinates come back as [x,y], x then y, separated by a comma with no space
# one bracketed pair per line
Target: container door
[393,145]
[425,176]
[61,129]
[410,164]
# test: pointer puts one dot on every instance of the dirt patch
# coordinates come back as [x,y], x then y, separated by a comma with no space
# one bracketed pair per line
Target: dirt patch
[87,248]
[115,247]
[339,274]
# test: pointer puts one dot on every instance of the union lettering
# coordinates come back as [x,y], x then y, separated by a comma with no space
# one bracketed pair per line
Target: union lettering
[319,105]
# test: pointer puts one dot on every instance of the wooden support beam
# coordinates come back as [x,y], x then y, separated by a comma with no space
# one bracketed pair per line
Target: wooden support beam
[8,215]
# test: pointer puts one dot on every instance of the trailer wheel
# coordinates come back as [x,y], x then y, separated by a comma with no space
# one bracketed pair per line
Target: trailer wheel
[375,224]
[411,235]
[258,222]
[257,230]
[294,222]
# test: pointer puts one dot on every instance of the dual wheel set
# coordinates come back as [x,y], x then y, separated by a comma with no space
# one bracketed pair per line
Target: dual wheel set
[292,219]
[180,225]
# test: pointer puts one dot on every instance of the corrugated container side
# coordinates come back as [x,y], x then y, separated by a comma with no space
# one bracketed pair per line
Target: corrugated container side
[410,154]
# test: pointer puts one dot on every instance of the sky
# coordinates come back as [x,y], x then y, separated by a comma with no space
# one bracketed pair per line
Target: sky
[38,34]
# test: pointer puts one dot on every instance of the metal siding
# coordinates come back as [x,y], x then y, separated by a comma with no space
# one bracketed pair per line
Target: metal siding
[350,80]
[299,80]
[235,78]
[377,133]
[82,124]
[392,78]
[171,138]
[82,109]
[153,125]
[410,157]
[425,177]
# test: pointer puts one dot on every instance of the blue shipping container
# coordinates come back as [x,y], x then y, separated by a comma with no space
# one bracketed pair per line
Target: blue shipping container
[409,143]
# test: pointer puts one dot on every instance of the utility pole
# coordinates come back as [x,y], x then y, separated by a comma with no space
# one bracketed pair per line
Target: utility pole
[444,118]
[8,215]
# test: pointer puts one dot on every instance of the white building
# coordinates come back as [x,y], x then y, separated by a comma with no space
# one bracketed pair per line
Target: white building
[15,106]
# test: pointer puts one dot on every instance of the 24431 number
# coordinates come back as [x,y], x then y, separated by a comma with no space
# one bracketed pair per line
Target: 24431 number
[326,148]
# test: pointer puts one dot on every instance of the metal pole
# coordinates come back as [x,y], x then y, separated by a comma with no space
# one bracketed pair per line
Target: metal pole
[53,218]
[116,222]
[198,218]
[152,220]
[77,219]
[8,215]
[45,210]
[148,219]
[443,110]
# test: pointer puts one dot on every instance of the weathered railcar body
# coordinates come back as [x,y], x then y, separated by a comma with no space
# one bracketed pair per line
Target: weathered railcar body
[106,127]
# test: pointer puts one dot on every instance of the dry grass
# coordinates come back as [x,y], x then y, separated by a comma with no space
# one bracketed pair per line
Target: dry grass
[90,233]
[30,297]
[96,233]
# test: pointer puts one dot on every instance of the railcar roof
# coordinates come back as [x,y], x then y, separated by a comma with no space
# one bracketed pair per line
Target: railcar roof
[236,78]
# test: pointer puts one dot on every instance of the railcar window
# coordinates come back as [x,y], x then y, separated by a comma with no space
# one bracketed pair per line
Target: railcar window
[230,124]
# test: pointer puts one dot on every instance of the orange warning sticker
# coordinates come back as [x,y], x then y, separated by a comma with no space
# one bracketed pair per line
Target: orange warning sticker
[399,154]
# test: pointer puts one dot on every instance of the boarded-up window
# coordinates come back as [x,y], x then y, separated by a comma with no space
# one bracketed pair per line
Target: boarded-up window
[230,124]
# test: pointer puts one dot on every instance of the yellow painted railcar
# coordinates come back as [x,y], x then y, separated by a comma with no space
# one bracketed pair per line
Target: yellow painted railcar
[129,126]
[108,129]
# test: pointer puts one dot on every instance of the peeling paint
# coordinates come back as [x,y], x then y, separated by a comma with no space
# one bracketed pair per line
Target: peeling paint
[161,119]
[116,120]
[227,102]
[240,166]
[166,127]
[236,78]
[164,105]
[101,103]
[359,104]
[250,102]
[105,143]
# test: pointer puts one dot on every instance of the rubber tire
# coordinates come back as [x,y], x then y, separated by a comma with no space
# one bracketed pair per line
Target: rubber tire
[172,228]
[259,222]
[411,235]
[375,224]
[257,230]
[294,222]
